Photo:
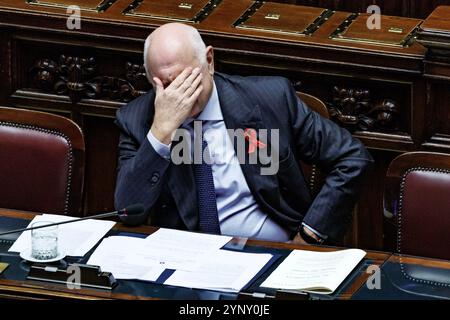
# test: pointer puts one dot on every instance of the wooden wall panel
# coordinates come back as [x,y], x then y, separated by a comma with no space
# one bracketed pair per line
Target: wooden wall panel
[438,119]
[406,8]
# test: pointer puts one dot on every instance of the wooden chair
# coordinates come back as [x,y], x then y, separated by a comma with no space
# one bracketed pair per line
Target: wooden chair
[417,204]
[312,174]
[41,162]
[315,104]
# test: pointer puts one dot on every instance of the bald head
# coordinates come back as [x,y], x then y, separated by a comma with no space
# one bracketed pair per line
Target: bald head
[173,43]
[174,47]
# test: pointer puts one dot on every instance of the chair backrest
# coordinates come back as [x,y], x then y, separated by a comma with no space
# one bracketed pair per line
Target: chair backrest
[417,199]
[315,104]
[313,175]
[41,162]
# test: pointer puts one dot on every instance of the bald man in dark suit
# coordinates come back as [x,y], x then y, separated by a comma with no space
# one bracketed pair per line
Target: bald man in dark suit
[228,196]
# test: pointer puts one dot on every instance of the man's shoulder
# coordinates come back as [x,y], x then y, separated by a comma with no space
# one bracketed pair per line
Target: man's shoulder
[141,107]
[250,82]
[269,92]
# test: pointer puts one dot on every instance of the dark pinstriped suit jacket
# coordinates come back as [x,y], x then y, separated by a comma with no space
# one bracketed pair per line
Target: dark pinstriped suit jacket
[168,191]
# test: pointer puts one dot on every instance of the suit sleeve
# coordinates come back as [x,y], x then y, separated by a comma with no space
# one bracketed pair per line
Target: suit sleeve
[140,170]
[338,154]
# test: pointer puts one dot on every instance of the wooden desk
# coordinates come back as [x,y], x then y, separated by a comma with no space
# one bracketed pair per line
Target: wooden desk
[41,290]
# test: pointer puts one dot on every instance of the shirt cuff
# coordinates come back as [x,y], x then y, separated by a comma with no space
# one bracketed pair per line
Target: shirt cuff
[162,149]
[317,233]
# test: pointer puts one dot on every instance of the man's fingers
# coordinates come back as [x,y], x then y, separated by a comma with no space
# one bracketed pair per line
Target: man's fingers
[179,80]
[194,85]
[189,80]
[191,100]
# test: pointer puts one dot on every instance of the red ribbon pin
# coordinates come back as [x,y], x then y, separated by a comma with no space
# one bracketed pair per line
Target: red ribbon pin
[253,142]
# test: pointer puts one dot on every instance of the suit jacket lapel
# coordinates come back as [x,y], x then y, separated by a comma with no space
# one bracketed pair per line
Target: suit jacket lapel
[239,112]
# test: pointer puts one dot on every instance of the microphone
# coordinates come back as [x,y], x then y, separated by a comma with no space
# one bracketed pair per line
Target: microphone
[132,215]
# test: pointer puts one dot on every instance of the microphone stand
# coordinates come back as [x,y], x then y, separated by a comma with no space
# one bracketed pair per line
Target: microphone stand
[92,275]
[98,216]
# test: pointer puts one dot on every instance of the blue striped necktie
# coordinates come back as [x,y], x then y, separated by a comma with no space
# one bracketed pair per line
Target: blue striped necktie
[206,193]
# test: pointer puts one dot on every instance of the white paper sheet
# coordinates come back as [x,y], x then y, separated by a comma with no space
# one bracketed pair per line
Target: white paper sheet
[197,258]
[222,270]
[177,249]
[145,259]
[319,272]
[116,255]
[75,239]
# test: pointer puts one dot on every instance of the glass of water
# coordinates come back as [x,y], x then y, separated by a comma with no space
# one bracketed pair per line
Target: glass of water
[44,241]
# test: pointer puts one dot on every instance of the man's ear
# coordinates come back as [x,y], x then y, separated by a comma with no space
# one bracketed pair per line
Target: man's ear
[210,59]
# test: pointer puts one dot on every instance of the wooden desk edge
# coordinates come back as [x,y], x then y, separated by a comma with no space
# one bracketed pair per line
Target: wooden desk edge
[57,291]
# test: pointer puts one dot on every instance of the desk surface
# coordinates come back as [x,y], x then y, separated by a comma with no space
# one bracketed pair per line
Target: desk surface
[353,287]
